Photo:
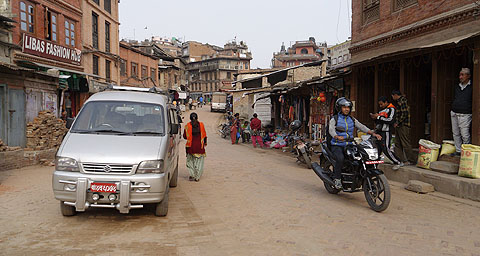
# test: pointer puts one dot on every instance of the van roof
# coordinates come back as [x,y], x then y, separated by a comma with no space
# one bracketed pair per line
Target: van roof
[135,96]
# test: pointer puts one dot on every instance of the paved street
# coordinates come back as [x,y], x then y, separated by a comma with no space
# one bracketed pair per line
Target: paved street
[249,202]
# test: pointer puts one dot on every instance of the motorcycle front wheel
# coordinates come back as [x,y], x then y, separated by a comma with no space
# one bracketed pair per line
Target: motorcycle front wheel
[308,160]
[377,192]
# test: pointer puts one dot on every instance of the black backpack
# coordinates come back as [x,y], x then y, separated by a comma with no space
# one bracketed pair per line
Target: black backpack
[329,137]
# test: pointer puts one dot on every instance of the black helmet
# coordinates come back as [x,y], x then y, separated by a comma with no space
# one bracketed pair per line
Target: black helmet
[343,102]
[295,125]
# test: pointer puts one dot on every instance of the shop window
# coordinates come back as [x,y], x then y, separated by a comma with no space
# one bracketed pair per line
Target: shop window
[400,4]
[123,67]
[27,17]
[107,70]
[107,36]
[69,32]
[153,74]
[371,11]
[95,30]
[304,51]
[144,72]
[229,75]
[107,5]
[51,26]
[134,71]
[95,65]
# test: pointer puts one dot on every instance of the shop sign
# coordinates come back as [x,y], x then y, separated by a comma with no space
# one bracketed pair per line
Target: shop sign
[49,50]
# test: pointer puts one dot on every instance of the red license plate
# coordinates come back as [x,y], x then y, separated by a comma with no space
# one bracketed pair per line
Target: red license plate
[103,187]
[375,162]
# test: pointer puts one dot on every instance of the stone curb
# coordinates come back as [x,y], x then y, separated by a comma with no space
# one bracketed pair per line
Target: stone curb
[445,183]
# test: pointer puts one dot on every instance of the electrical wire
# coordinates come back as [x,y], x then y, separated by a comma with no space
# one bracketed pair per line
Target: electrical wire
[338,18]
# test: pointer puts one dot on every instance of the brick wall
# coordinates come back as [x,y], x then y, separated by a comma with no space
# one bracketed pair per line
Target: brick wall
[390,20]
[20,158]
[130,55]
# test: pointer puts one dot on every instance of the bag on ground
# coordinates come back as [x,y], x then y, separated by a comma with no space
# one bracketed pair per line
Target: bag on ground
[448,147]
[470,162]
[427,153]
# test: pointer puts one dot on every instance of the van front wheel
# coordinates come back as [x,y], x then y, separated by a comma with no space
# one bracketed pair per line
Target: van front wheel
[161,208]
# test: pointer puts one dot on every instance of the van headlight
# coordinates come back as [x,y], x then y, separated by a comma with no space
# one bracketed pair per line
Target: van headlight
[151,166]
[66,164]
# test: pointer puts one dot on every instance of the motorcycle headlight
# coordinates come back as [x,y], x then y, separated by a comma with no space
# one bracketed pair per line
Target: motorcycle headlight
[372,153]
[66,164]
[151,166]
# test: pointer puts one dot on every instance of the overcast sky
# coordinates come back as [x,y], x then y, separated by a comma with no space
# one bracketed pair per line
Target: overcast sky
[262,24]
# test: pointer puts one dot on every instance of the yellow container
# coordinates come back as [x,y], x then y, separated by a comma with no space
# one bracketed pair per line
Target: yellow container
[470,162]
[427,153]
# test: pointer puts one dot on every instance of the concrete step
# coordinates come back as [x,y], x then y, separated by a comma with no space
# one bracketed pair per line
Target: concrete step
[445,183]
[444,167]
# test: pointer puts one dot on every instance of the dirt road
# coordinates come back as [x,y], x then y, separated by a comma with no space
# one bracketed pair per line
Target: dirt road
[249,202]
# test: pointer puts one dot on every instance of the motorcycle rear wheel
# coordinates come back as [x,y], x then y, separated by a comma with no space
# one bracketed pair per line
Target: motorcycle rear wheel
[327,166]
[378,194]
[308,160]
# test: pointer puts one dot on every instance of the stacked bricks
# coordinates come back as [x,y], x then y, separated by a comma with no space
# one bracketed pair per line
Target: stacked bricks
[45,132]
[4,147]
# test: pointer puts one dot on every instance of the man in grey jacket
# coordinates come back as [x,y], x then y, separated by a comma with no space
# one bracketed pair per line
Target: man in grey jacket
[461,114]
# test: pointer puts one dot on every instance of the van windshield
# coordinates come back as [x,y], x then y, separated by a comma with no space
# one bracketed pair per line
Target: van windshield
[120,118]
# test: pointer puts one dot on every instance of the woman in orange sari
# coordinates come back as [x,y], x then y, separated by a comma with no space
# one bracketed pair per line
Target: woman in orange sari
[234,128]
[196,137]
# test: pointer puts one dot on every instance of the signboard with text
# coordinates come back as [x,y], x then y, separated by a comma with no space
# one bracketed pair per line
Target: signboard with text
[49,50]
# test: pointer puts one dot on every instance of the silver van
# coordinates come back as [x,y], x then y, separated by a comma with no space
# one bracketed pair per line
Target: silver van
[121,152]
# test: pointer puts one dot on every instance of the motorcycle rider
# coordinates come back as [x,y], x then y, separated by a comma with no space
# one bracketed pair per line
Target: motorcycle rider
[338,142]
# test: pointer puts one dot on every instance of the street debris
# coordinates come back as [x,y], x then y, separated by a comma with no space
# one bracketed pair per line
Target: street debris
[45,132]
[419,187]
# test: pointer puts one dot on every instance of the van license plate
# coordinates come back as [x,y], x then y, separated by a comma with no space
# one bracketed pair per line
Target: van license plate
[103,187]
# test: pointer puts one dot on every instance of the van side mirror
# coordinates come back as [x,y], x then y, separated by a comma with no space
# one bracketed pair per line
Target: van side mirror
[174,128]
[70,121]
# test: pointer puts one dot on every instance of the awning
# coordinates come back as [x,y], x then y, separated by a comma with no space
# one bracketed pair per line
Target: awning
[59,68]
[452,35]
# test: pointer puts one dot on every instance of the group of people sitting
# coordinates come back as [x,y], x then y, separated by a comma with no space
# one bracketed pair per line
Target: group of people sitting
[246,131]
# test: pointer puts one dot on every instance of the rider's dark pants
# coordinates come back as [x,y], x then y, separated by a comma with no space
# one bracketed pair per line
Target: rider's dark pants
[339,157]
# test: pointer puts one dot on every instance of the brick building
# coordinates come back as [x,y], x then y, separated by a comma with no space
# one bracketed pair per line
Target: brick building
[216,68]
[45,66]
[137,68]
[100,42]
[419,47]
[301,52]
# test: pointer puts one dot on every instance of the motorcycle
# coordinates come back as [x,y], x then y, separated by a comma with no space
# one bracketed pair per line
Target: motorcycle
[360,172]
[225,128]
[302,150]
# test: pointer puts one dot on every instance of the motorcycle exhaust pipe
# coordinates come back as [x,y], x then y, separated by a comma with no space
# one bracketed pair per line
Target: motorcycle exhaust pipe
[321,174]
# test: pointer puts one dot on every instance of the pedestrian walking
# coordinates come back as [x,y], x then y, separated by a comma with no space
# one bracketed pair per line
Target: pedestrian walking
[384,121]
[200,100]
[403,148]
[196,137]
[234,128]
[461,113]
[190,103]
[256,126]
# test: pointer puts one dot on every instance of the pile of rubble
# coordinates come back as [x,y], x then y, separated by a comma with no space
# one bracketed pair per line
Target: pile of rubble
[4,147]
[45,132]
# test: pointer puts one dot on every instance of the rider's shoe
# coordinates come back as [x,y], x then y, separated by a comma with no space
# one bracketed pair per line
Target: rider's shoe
[397,166]
[338,184]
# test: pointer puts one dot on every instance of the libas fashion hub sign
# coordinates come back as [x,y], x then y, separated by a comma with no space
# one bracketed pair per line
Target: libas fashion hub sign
[49,50]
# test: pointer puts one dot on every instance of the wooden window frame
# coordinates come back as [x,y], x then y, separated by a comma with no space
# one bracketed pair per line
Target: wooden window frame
[97,2]
[371,6]
[51,32]
[144,74]
[107,36]
[108,70]
[123,67]
[95,64]
[95,30]
[153,74]
[107,7]
[27,21]
[133,69]
[68,28]
[396,7]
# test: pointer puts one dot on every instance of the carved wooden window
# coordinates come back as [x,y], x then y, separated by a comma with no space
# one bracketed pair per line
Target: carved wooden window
[400,4]
[371,11]
[27,17]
